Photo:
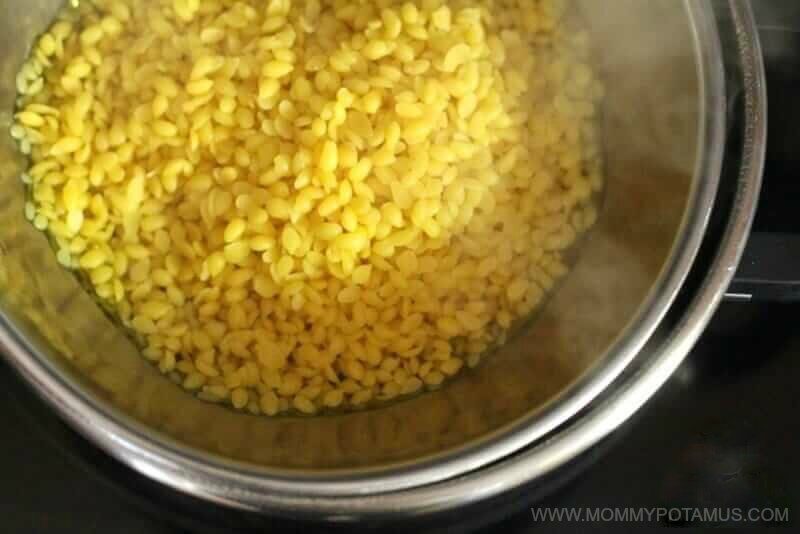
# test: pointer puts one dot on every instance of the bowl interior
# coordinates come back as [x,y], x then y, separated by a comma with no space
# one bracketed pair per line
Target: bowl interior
[651,129]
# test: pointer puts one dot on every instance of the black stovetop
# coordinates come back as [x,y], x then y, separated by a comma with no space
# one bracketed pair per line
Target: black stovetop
[722,434]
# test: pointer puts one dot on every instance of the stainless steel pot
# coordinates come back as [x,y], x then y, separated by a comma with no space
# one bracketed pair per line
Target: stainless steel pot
[569,379]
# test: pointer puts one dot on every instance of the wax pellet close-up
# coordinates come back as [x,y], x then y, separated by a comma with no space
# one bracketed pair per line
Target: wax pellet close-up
[303,206]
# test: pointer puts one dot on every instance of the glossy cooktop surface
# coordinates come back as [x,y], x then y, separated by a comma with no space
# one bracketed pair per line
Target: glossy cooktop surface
[722,434]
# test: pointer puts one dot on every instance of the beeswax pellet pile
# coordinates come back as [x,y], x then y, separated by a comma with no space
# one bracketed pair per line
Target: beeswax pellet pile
[311,204]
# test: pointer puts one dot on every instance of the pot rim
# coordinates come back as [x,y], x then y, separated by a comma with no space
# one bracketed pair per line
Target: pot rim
[632,391]
[431,485]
